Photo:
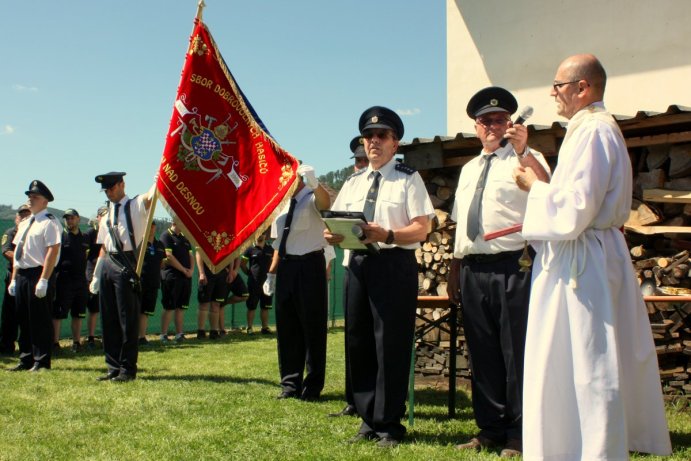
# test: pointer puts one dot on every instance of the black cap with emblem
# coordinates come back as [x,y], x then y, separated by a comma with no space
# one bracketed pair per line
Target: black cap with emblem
[381,117]
[491,99]
[108,180]
[357,148]
[37,187]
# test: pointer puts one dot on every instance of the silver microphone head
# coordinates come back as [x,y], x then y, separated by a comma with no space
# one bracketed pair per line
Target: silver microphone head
[526,113]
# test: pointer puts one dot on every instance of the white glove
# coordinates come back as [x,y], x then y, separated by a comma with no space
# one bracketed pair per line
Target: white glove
[93,286]
[308,176]
[12,288]
[270,284]
[41,288]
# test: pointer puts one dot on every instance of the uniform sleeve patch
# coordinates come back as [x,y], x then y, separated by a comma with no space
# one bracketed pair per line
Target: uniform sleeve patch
[404,168]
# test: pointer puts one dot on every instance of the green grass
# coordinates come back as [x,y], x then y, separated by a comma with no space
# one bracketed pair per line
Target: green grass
[215,400]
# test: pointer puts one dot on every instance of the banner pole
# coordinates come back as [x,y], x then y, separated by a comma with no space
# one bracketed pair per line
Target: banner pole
[147,232]
[200,7]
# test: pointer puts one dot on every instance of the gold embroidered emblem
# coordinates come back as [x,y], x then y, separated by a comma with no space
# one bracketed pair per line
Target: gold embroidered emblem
[286,174]
[198,46]
[493,102]
[217,240]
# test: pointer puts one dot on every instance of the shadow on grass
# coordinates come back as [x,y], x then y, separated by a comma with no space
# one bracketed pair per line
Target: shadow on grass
[143,375]
[680,440]
[434,403]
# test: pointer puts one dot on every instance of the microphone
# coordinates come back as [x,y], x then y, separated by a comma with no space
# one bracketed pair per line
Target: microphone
[360,234]
[525,114]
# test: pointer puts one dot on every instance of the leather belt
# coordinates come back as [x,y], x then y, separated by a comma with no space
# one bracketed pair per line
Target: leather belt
[309,255]
[490,258]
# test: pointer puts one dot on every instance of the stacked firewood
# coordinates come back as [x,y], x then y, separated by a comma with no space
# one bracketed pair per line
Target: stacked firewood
[432,352]
[434,258]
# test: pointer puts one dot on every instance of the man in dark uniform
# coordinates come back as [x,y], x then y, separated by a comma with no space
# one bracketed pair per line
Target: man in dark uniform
[211,292]
[72,288]
[382,287]
[357,147]
[255,264]
[115,276]
[92,257]
[486,276]
[8,319]
[176,280]
[151,281]
[36,253]
[301,298]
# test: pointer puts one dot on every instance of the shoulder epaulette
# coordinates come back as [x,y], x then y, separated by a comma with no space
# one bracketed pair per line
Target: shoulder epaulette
[357,173]
[50,216]
[404,168]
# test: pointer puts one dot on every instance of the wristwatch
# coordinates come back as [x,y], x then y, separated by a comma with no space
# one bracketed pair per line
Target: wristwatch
[389,238]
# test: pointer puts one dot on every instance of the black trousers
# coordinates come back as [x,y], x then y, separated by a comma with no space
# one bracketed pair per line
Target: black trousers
[9,326]
[348,386]
[301,323]
[494,302]
[34,317]
[382,298]
[120,306]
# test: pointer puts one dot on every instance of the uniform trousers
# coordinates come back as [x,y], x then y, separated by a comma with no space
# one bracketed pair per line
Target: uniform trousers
[494,303]
[34,317]
[120,307]
[348,386]
[301,323]
[8,321]
[382,298]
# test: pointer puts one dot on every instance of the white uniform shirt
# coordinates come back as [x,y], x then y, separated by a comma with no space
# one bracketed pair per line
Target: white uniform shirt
[138,215]
[402,197]
[503,203]
[306,230]
[45,232]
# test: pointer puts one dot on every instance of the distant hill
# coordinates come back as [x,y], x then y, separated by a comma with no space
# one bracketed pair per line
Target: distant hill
[7,213]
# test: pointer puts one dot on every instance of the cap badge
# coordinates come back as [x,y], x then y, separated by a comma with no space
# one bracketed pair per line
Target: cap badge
[493,102]
[374,119]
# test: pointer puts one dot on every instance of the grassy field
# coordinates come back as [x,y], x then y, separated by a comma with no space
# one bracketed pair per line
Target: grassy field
[216,400]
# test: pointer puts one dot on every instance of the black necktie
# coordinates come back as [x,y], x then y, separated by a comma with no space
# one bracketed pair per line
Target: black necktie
[115,215]
[286,228]
[371,200]
[473,223]
[19,252]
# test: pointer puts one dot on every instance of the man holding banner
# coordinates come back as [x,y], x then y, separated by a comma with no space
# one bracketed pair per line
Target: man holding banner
[115,278]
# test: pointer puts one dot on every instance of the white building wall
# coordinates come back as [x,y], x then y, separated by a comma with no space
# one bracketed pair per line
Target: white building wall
[645,47]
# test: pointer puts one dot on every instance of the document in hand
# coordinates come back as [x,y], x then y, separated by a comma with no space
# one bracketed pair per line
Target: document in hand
[342,222]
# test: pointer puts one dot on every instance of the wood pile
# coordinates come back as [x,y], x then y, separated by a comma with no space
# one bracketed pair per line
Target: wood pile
[659,235]
[432,352]
[434,258]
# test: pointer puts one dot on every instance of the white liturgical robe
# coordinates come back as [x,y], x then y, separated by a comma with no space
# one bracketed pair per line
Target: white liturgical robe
[592,386]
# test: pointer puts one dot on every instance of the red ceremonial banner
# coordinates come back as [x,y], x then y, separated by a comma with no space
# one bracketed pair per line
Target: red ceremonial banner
[222,175]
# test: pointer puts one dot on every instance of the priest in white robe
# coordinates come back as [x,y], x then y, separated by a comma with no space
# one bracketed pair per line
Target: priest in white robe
[592,386]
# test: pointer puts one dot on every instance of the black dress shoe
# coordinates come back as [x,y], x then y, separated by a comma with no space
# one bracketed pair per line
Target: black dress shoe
[348,410]
[21,367]
[363,437]
[108,376]
[38,368]
[122,378]
[388,442]
[286,395]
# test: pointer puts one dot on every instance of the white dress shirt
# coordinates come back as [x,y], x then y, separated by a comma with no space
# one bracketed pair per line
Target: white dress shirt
[306,230]
[45,232]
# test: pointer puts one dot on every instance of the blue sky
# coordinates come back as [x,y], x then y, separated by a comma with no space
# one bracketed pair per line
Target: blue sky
[87,86]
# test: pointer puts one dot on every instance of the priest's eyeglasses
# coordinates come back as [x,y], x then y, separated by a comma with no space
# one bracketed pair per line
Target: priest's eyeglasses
[557,85]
